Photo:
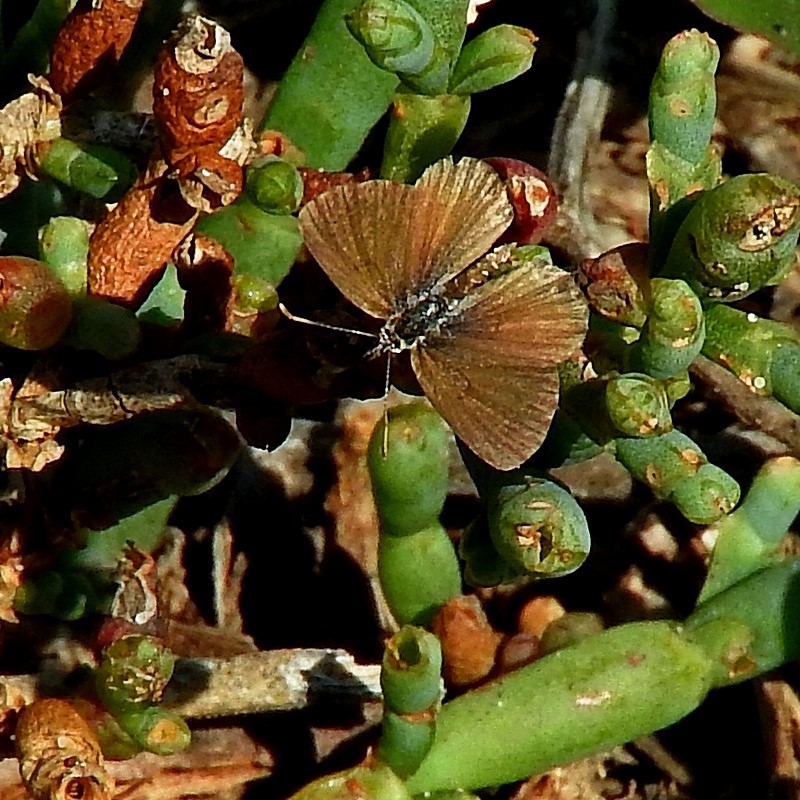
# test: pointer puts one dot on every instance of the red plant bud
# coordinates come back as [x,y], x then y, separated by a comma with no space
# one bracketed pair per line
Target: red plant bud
[35,308]
[533,197]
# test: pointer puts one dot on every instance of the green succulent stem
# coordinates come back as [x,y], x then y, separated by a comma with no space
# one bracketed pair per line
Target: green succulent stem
[264,245]
[737,238]
[371,782]
[673,333]
[763,604]
[412,692]
[675,469]
[408,464]
[108,329]
[587,697]
[747,539]
[332,94]
[681,160]
[94,169]
[422,130]
[683,98]
[763,353]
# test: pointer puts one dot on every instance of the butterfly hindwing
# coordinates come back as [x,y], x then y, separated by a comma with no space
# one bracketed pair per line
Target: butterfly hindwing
[500,411]
[491,370]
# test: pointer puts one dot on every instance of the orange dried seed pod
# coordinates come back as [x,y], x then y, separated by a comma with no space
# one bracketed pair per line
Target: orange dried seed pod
[91,41]
[198,89]
[131,245]
[59,756]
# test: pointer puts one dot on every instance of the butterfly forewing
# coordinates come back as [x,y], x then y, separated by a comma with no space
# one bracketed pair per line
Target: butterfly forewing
[360,235]
[461,211]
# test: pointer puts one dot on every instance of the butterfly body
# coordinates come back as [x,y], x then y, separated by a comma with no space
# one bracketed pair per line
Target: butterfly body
[416,319]
[485,334]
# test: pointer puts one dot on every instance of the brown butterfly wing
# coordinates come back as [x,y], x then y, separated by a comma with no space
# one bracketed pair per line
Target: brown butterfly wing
[382,242]
[461,211]
[492,370]
[360,234]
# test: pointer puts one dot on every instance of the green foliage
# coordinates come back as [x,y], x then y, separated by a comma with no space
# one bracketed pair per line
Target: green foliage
[777,20]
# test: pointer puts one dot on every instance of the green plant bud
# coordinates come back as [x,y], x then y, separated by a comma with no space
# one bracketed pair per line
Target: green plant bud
[418,573]
[411,671]
[106,328]
[665,463]
[114,742]
[94,169]
[274,185]
[708,495]
[409,468]
[570,629]
[537,526]
[421,130]
[155,729]
[605,690]
[763,602]
[395,35]
[39,594]
[263,245]
[64,247]
[638,405]
[133,671]
[495,56]
[683,98]
[737,238]
[35,308]
[254,293]
[61,593]
[674,332]
[406,740]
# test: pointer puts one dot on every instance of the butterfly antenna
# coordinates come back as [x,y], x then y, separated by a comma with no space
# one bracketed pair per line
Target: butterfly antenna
[387,384]
[305,321]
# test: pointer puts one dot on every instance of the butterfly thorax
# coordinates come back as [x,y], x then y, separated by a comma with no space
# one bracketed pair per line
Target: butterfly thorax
[416,318]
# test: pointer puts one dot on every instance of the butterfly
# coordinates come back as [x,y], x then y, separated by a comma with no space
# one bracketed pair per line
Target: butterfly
[485,331]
